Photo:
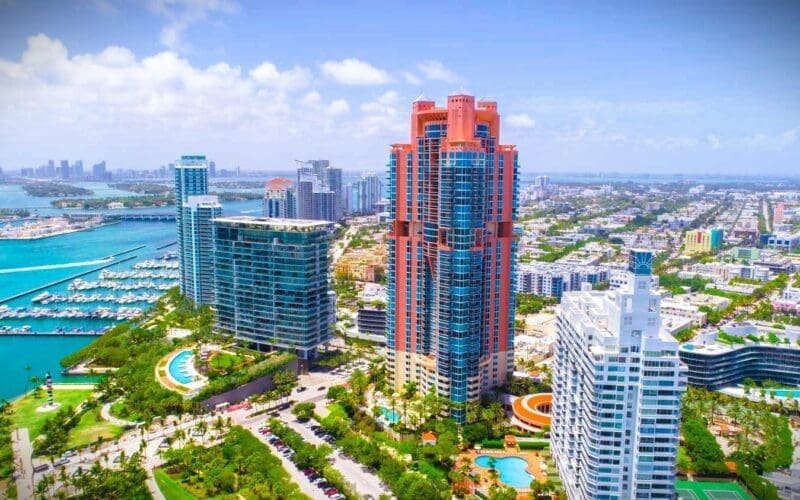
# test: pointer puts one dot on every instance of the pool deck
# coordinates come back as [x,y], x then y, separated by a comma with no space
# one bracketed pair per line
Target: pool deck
[534,459]
[166,379]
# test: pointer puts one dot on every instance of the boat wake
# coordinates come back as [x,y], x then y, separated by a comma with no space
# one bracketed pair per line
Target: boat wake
[250,211]
[105,260]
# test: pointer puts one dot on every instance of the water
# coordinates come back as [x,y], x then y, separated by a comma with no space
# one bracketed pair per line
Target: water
[785,393]
[42,354]
[26,264]
[390,415]
[513,470]
[177,367]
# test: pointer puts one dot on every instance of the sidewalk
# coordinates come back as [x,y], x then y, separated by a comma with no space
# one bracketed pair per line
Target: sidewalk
[22,450]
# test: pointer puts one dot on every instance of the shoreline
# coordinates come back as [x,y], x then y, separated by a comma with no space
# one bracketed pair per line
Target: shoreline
[57,233]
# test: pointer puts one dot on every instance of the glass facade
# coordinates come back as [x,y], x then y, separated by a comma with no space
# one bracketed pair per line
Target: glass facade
[195,209]
[452,192]
[271,282]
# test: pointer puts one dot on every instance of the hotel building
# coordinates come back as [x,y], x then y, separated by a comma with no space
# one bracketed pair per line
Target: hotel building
[703,241]
[271,282]
[452,205]
[617,388]
[195,210]
[280,201]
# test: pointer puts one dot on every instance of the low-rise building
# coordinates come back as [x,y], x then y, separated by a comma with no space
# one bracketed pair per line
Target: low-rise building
[363,264]
[553,279]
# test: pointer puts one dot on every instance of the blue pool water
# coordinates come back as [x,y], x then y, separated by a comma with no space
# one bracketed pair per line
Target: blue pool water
[512,470]
[783,393]
[688,347]
[177,367]
[390,415]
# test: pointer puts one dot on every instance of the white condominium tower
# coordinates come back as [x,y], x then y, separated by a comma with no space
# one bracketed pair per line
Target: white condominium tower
[617,387]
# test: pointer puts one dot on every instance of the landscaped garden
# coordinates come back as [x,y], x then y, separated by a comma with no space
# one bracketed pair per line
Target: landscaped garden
[240,467]
[757,439]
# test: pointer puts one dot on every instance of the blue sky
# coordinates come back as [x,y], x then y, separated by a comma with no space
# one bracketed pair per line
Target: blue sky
[656,87]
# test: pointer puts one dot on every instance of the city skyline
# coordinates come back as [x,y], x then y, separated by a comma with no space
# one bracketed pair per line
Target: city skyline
[623,88]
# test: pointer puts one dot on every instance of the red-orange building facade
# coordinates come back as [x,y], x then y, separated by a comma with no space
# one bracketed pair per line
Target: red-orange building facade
[452,205]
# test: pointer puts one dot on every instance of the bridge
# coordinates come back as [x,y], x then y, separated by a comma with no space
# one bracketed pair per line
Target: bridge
[141,217]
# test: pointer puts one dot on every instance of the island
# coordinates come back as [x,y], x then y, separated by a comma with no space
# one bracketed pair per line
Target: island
[114,202]
[142,187]
[54,189]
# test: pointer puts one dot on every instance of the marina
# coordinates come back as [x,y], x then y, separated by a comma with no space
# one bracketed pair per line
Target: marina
[119,314]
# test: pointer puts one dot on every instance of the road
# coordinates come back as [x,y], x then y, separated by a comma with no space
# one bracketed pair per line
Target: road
[131,442]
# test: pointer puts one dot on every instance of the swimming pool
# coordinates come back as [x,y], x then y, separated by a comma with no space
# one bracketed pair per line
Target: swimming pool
[178,367]
[785,393]
[392,416]
[512,470]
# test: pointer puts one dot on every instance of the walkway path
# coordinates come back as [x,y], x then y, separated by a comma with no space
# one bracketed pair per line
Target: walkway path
[105,413]
[21,447]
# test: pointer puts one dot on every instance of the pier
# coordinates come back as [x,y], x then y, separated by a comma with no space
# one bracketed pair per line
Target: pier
[64,280]
[90,333]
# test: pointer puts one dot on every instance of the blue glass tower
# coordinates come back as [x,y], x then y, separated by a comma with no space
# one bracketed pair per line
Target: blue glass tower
[195,210]
[271,282]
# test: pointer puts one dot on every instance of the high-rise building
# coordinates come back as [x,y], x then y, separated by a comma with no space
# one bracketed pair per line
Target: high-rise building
[541,182]
[212,169]
[319,191]
[271,282]
[305,200]
[452,205]
[617,388]
[333,180]
[77,169]
[319,166]
[197,256]
[279,199]
[366,193]
[195,209]
[64,171]
[99,172]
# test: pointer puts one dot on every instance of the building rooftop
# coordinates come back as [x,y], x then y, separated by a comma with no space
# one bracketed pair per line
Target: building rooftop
[276,223]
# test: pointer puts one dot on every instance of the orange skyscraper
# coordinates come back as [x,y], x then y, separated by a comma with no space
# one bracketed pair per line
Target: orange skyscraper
[452,205]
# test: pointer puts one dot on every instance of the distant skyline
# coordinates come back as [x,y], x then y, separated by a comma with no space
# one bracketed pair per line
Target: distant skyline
[629,87]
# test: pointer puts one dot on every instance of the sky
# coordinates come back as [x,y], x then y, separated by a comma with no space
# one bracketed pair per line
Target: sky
[632,87]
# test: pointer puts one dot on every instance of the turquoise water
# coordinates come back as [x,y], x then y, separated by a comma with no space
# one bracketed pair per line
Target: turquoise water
[785,393]
[177,367]
[512,470]
[391,416]
[61,257]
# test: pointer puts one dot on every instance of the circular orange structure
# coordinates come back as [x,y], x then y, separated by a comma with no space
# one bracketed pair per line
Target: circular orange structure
[534,409]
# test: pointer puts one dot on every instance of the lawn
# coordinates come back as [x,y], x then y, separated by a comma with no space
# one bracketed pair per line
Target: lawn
[170,488]
[225,361]
[90,427]
[120,410]
[25,414]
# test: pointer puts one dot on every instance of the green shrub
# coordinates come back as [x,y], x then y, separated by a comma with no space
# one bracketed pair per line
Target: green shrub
[533,445]
[493,444]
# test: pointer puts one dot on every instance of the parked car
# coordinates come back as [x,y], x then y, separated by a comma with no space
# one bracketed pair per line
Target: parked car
[69,454]
[41,468]
[302,388]
[61,461]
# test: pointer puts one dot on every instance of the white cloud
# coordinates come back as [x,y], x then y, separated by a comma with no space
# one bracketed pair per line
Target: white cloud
[338,107]
[354,72]
[435,70]
[381,117]
[521,120]
[713,141]
[181,14]
[311,99]
[152,107]
[411,78]
[775,142]
[267,74]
